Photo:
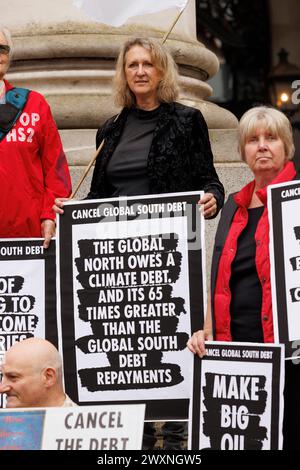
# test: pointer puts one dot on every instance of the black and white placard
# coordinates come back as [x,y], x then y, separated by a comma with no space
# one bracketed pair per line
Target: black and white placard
[130,287]
[27,293]
[284,219]
[237,399]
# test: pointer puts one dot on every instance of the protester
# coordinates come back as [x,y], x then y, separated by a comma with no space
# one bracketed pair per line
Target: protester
[32,375]
[33,166]
[241,302]
[155,145]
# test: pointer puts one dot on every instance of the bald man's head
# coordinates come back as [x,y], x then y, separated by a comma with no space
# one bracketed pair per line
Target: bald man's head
[38,353]
[32,374]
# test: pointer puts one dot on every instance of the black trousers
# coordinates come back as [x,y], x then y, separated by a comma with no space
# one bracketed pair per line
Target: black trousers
[174,434]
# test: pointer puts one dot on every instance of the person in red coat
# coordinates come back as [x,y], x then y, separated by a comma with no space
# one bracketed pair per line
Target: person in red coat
[33,166]
[240,308]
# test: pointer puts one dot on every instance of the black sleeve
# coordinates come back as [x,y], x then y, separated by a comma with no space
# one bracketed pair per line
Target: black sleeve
[202,160]
[223,228]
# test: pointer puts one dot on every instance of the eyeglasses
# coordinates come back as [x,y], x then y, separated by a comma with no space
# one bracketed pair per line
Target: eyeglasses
[4,49]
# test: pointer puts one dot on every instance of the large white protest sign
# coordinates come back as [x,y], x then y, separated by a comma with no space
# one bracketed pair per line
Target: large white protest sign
[27,292]
[237,399]
[284,219]
[73,428]
[130,291]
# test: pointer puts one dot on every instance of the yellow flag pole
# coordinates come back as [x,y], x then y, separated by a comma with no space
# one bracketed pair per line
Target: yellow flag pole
[102,143]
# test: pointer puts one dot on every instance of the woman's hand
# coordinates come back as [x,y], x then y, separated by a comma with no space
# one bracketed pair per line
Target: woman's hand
[208,205]
[196,343]
[48,231]
[59,204]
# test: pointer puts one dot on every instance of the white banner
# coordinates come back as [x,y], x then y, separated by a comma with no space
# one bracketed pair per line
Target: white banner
[117,12]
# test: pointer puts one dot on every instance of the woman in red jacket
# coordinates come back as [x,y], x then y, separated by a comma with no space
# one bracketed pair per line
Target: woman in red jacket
[241,303]
[33,166]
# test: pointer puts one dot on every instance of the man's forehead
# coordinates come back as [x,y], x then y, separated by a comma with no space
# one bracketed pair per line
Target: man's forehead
[2,362]
[13,369]
[14,362]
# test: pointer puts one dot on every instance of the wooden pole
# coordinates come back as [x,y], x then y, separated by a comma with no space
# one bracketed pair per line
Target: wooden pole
[74,192]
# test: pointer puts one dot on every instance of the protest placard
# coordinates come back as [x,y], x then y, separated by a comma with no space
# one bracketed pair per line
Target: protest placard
[27,291]
[284,219]
[237,399]
[73,428]
[130,291]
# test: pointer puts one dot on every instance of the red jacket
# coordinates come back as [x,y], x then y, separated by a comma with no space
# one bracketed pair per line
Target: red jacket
[221,290]
[33,170]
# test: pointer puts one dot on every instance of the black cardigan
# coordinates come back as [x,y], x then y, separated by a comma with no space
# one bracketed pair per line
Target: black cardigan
[180,156]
